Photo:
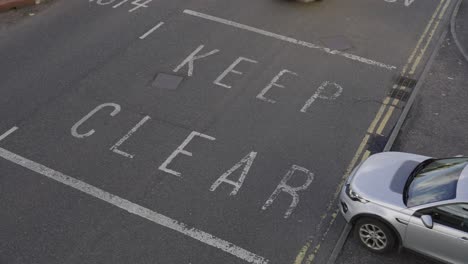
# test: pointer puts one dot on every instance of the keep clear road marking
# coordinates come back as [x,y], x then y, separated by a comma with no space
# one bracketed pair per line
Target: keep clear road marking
[289,39]
[151,30]
[130,207]
[386,110]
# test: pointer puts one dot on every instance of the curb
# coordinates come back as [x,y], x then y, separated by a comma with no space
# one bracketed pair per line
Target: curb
[396,130]
[6,5]
[453,31]
[394,134]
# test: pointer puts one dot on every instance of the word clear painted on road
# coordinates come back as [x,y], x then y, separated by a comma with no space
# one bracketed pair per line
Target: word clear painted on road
[133,5]
[228,177]
[201,55]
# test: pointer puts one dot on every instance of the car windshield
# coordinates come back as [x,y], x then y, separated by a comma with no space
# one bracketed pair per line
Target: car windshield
[435,180]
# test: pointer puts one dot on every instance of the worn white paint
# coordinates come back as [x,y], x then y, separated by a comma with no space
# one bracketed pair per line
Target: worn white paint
[9,132]
[319,94]
[247,163]
[192,57]
[230,69]
[104,2]
[151,30]
[139,4]
[407,2]
[180,150]
[293,191]
[121,3]
[115,149]
[134,208]
[289,39]
[274,82]
[75,127]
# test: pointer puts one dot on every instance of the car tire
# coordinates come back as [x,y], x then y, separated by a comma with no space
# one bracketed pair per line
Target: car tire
[374,235]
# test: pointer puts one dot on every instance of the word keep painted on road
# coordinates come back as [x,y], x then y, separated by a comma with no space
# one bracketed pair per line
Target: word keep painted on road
[322,92]
[242,167]
[134,4]
[326,91]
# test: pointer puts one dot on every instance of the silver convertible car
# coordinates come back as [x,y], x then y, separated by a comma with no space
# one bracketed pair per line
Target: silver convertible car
[412,201]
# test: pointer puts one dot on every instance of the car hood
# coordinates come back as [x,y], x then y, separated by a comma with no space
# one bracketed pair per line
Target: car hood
[382,177]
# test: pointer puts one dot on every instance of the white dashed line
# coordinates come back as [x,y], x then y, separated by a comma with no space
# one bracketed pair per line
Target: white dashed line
[151,30]
[132,207]
[289,39]
[6,134]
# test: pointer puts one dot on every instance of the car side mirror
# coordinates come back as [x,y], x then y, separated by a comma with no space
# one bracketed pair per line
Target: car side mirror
[427,221]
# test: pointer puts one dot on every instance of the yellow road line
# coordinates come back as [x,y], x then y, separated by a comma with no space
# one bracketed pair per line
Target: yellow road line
[385,119]
[403,72]
[423,36]
[379,115]
[418,59]
[301,255]
[415,64]
[366,155]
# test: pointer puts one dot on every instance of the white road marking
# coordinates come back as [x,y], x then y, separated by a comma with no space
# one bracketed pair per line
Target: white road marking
[289,39]
[293,191]
[231,69]
[180,150]
[74,129]
[192,57]
[138,5]
[9,132]
[273,82]
[121,3]
[134,208]
[318,94]
[247,162]
[151,30]
[115,149]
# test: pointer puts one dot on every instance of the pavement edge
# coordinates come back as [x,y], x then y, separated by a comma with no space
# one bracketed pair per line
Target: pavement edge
[394,134]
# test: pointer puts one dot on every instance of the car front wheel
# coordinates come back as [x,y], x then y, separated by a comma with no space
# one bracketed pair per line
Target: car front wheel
[374,235]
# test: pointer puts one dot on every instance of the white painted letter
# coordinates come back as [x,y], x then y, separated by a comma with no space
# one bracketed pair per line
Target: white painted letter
[284,187]
[86,117]
[318,94]
[181,150]
[115,149]
[408,2]
[247,162]
[191,58]
[273,82]
[231,69]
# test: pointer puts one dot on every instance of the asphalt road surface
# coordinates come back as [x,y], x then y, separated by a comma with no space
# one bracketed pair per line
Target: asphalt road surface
[196,131]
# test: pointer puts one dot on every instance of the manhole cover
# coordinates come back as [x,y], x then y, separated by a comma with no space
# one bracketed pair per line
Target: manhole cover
[166,81]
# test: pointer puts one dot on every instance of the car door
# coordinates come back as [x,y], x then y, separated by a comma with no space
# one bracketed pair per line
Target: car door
[447,240]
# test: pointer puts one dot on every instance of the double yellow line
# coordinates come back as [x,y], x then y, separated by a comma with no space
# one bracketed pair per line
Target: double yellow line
[388,105]
[377,125]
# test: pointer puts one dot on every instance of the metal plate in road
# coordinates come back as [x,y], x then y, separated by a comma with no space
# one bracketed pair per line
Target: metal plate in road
[237,162]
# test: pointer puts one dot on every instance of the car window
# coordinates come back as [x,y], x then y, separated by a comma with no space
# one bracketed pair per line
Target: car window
[435,181]
[453,215]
